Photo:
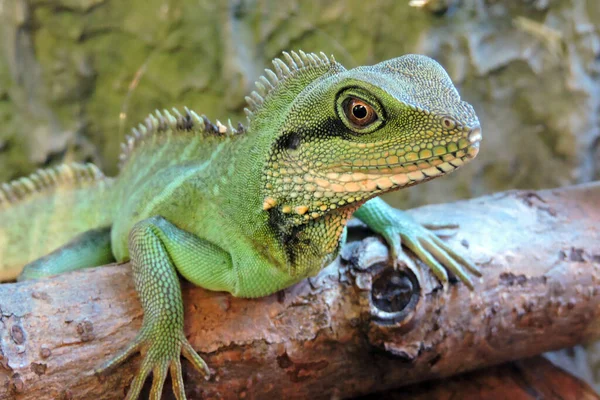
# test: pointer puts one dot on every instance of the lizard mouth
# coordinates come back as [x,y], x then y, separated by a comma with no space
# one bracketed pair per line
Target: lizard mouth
[353,183]
[351,179]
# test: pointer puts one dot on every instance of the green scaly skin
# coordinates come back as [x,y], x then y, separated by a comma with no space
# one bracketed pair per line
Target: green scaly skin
[248,210]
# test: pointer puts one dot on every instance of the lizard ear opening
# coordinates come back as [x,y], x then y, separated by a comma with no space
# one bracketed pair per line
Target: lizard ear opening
[359,111]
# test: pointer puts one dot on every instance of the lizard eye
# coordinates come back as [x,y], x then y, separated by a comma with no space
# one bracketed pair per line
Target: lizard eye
[359,112]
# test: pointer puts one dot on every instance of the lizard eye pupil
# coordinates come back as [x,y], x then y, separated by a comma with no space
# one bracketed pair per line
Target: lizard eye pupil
[359,112]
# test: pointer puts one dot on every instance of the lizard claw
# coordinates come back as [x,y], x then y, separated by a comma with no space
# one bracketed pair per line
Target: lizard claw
[394,241]
[160,355]
[434,226]
[399,228]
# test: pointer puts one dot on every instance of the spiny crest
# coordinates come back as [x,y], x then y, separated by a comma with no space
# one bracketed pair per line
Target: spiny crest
[175,122]
[293,64]
[72,175]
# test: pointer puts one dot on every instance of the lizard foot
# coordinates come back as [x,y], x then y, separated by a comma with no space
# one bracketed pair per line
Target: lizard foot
[428,247]
[440,226]
[161,353]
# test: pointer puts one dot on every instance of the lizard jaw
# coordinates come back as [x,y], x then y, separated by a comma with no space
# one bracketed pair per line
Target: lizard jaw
[315,193]
[355,185]
[383,178]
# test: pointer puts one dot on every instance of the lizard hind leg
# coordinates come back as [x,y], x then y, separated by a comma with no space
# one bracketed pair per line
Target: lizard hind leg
[89,249]
[158,250]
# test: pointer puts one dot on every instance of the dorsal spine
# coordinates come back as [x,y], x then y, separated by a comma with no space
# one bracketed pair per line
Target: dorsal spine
[295,63]
[175,121]
[189,121]
[72,175]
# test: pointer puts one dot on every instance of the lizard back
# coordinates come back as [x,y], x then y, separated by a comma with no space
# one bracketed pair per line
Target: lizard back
[43,211]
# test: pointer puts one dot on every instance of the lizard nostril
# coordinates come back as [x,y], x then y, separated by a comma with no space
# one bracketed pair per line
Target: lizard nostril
[475,135]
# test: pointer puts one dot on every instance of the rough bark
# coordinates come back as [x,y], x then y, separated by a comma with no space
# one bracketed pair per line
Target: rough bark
[529,379]
[357,328]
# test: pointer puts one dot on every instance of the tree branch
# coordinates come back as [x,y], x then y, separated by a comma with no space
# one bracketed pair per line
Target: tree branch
[528,379]
[357,328]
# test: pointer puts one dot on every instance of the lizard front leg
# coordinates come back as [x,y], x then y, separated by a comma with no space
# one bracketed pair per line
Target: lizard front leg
[158,249]
[397,226]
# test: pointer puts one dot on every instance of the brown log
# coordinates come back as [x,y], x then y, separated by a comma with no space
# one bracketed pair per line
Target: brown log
[357,328]
[529,379]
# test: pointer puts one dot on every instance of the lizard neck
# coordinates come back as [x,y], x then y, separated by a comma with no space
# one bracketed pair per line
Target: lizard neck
[310,245]
[307,242]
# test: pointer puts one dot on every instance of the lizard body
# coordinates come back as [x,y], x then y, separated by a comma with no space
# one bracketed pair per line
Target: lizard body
[247,210]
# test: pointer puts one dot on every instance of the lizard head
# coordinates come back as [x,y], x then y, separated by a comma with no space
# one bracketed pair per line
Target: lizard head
[353,134]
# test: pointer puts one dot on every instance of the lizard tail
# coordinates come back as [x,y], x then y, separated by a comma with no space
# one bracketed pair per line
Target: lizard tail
[45,210]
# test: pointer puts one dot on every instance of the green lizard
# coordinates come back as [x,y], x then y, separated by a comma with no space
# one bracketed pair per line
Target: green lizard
[247,210]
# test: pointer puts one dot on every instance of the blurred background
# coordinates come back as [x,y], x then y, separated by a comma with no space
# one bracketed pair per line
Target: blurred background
[76,75]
